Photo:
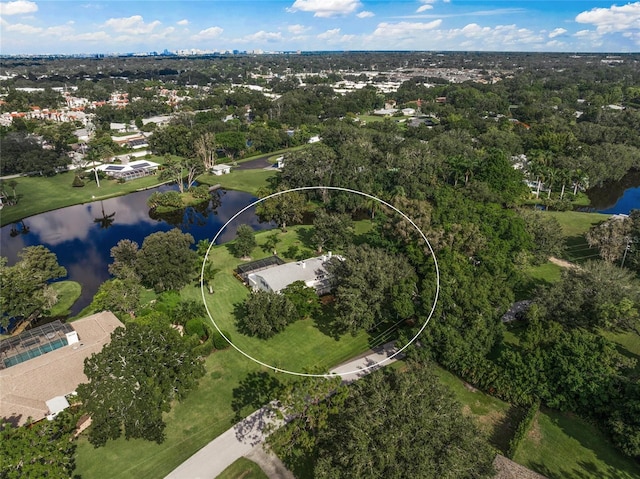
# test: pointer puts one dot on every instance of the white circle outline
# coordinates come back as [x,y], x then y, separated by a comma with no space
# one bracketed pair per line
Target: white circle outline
[329,375]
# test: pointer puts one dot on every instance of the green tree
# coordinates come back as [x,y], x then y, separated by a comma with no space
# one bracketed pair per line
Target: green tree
[545,232]
[611,237]
[118,295]
[26,293]
[165,260]
[124,255]
[266,313]
[331,231]
[284,209]
[43,449]
[596,295]
[245,241]
[303,298]
[371,286]
[135,379]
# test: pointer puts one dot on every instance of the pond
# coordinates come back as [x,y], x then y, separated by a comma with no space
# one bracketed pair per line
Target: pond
[618,197]
[83,235]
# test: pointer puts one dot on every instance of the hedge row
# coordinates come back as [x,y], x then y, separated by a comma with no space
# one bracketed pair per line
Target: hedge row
[523,428]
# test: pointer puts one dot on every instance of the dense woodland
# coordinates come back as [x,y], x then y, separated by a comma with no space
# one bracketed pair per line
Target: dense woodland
[455,179]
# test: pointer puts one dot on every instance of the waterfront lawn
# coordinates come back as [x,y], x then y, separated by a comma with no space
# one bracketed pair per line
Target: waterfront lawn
[246,180]
[38,194]
[68,292]
[563,446]
[243,469]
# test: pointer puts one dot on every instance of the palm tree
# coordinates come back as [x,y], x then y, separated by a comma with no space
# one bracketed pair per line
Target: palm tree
[208,273]
[106,220]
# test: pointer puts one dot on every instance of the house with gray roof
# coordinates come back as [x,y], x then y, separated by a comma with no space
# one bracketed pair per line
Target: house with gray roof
[312,271]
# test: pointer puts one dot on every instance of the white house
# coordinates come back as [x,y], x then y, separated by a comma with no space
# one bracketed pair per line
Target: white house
[220,170]
[312,271]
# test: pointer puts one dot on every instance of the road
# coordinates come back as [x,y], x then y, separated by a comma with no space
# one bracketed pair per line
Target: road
[243,437]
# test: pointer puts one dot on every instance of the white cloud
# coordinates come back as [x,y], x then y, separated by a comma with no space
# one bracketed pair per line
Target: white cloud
[424,8]
[183,22]
[404,30]
[91,37]
[612,19]
[60,30]
[297,29]
[329,34]
[557,32]
[262,36]
[133,25]
[365,14]
[18,7]
[326,8]
[22,29]
[208,33]
[334,36]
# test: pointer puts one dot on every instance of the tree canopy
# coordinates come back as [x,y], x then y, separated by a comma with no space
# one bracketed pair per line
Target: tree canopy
[25,286]
[135,379]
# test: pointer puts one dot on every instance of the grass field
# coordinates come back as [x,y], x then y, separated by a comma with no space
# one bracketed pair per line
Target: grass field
[574,225]
[246,180]
[243,469]
[560,446]
[68,293]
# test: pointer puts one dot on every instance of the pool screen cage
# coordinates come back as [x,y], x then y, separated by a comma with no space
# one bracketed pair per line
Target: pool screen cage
[33,342]
[244,270]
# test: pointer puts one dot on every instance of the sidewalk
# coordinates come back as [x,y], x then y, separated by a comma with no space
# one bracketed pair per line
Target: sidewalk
[242,438]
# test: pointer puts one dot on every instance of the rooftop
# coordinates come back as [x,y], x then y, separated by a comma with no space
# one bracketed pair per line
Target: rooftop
[26,387]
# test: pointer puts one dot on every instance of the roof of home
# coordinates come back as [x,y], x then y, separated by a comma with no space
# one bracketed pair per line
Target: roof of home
[25,387]
[279,277]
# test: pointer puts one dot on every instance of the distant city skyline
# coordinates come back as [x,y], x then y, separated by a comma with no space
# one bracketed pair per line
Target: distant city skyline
[115,26]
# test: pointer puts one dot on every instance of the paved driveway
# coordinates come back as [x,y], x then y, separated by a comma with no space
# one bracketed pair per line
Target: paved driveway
[241,439]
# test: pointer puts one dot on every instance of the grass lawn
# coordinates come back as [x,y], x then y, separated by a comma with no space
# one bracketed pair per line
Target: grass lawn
[243,469]
[68,293]
[535,276]
[39,194]
[574,225]
[496,418]
[245,180]
[560,446]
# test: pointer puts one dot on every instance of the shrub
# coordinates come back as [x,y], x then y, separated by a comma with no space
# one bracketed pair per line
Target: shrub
[77,182]
[218,341]
[195,326]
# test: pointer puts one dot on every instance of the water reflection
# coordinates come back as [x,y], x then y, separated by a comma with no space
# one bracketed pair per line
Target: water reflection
[618,196]
[83,235]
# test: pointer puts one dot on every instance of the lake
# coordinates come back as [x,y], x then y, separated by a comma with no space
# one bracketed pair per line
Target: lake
[618,197]
[83,235]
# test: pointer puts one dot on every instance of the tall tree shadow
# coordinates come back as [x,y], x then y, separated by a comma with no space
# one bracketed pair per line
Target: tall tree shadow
[256,390]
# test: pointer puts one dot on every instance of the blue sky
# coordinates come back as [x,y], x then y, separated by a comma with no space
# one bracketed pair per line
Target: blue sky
[58,26]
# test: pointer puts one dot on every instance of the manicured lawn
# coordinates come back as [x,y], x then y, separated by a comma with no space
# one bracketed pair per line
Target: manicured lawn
[566,447]
[535,276]
[245,180]
[68,293]
[243,469]
[574,225]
